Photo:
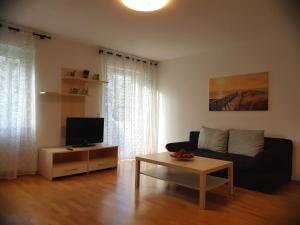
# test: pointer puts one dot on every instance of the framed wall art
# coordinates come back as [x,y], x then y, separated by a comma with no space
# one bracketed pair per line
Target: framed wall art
[248,92]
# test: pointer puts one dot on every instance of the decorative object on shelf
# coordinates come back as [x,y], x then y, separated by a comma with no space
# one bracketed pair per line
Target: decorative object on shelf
[96,76]
[71,73]
[84,91]
[248,92]
[85,74]
[74,90]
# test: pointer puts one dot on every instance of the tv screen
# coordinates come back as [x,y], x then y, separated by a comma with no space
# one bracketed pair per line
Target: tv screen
[84,131]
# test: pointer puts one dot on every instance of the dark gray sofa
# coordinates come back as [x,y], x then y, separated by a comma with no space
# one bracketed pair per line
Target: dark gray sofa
[264,172]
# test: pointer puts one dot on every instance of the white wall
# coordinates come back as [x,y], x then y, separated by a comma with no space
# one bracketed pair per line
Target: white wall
[52,56]
[183,86]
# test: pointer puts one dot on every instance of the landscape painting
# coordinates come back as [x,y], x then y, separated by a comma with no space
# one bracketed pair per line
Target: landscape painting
[247,92]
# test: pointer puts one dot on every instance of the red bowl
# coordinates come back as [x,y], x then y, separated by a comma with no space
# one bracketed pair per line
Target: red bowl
[185,157]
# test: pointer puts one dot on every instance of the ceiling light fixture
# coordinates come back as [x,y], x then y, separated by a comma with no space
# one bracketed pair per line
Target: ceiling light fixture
[145,5]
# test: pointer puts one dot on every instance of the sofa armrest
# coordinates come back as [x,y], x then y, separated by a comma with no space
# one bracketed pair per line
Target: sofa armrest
[173,147]
[274,159]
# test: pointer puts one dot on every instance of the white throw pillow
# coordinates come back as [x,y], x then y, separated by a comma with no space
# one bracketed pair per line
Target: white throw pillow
[246,142]
[213,139]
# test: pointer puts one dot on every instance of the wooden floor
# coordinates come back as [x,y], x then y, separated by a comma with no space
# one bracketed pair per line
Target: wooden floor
[109,198]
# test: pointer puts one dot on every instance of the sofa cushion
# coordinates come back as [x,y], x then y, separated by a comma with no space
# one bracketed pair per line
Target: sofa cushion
[213,139]
[245,142]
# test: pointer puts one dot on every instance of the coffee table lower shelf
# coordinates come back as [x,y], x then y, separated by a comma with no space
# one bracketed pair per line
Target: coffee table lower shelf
[184,178]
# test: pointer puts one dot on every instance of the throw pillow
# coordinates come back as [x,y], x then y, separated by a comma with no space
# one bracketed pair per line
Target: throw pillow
[213,139]
[245,142]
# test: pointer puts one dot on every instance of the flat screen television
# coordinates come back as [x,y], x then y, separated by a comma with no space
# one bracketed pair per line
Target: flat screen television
[84,131]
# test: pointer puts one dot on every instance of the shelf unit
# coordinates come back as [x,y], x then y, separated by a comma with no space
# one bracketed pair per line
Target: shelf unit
[72,78]
[61,94]
[59,162]
[68,81]
[74,105]
[76,79]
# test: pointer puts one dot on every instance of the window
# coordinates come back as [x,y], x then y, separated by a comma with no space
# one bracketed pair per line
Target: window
[130,106]
[17,104]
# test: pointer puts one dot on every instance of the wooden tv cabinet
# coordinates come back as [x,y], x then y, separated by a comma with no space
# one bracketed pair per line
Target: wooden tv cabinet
[59,162]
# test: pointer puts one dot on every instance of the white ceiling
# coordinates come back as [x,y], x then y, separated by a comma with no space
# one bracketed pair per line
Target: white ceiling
[183,28]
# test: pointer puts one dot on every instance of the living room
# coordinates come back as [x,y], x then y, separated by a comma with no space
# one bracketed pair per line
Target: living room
[178,51]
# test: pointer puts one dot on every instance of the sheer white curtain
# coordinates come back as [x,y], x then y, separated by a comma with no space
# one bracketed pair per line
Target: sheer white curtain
[17,104]
[130,105]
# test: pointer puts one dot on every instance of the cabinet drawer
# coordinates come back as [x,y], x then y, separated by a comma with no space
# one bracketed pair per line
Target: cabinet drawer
[102,165]
[65,170]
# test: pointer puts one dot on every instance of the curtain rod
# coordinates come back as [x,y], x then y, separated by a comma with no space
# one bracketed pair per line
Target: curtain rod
[16,28]
[127,56]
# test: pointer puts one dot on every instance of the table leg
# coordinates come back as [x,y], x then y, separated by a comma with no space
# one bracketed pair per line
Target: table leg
[137,173]
[230,180]
[202,191]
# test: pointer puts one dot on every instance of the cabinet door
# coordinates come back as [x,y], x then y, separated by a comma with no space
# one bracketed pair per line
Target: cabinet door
[70,169]
[102,164]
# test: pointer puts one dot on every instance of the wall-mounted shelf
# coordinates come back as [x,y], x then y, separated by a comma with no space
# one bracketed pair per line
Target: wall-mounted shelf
[75,78]
[72,95]
[61,94]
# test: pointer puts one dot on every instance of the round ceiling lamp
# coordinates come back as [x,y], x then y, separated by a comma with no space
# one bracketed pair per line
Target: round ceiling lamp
[145,5]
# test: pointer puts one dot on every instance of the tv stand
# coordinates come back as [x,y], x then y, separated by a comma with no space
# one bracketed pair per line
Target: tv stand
[59,161]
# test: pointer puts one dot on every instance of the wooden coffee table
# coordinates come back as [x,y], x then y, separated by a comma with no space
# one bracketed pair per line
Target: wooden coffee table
[192,174]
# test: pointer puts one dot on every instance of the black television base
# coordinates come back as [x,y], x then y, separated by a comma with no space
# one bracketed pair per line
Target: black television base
[83,145]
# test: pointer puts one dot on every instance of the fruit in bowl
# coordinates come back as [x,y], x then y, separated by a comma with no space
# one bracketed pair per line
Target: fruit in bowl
[182,154]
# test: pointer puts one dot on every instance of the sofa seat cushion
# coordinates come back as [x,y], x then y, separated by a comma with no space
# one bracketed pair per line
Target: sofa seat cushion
[240,162]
